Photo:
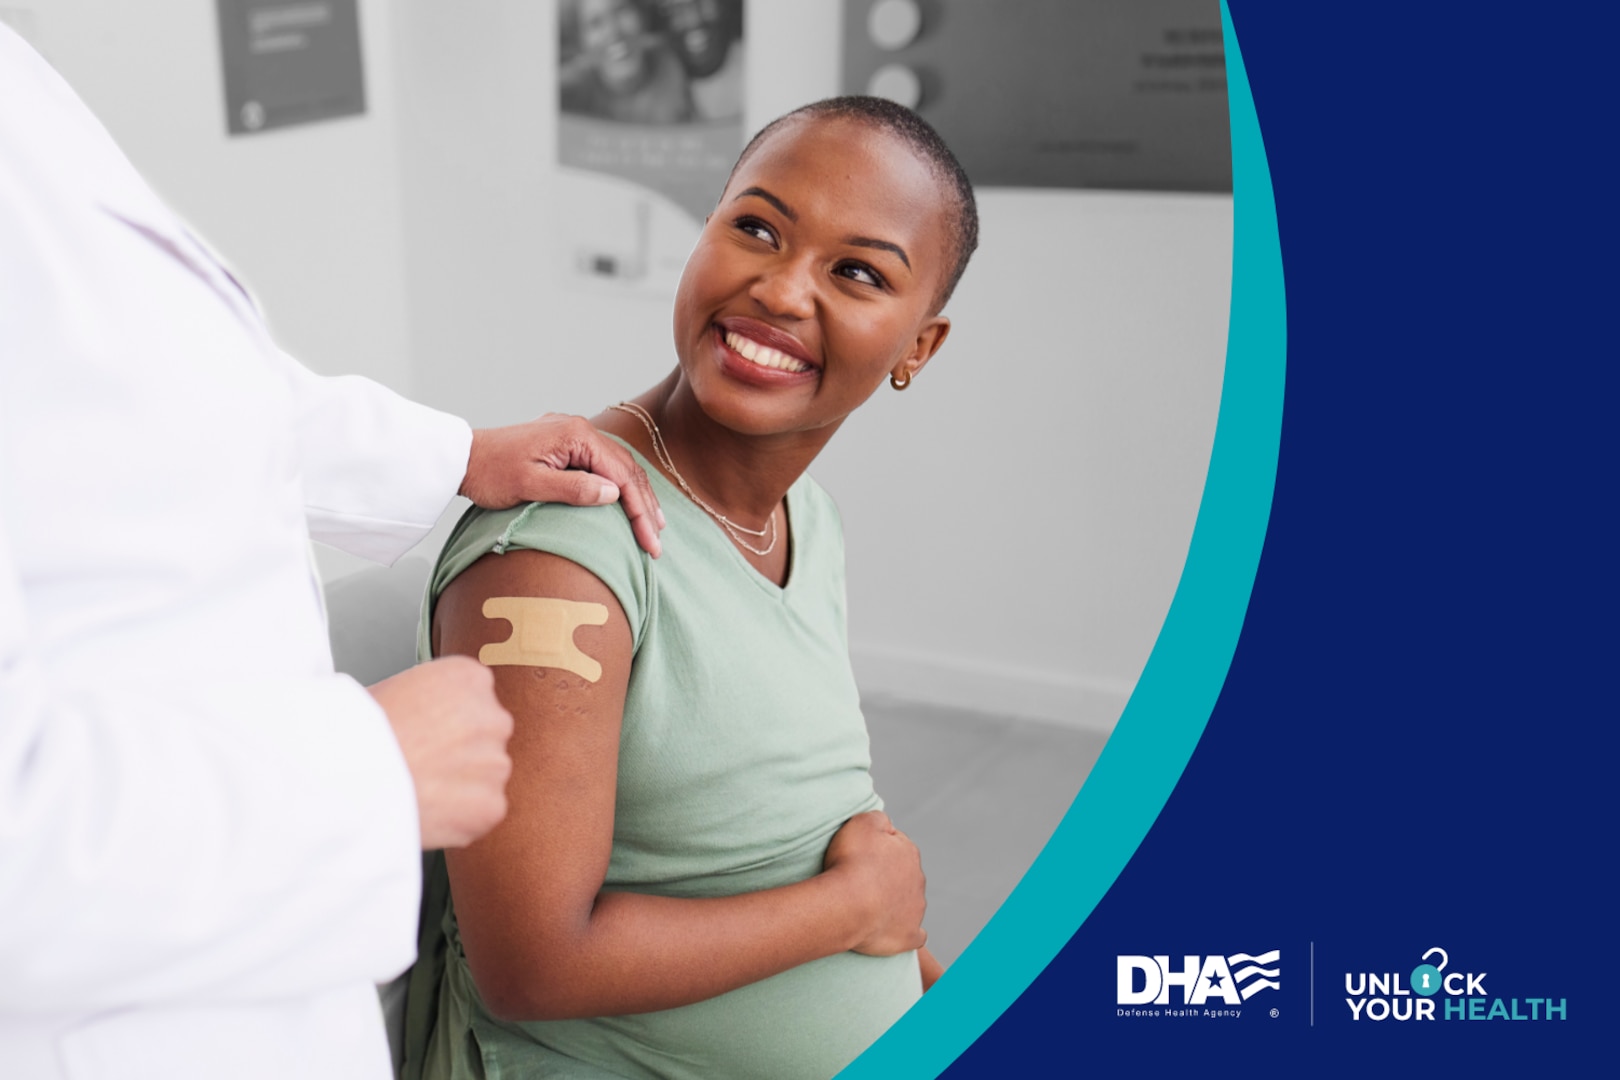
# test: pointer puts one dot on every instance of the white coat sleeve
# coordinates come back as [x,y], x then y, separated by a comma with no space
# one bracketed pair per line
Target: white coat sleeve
[378,469]
[225,840]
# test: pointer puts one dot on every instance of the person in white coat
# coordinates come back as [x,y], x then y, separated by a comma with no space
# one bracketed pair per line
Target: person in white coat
[209,842]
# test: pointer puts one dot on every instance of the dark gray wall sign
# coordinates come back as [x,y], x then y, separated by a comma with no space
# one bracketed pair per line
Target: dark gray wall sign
[289,62]
[1123,94]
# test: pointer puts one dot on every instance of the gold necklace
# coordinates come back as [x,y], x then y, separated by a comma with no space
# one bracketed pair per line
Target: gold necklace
[734,530]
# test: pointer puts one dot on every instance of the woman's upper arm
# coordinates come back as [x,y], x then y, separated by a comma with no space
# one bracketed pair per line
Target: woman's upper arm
[560,650]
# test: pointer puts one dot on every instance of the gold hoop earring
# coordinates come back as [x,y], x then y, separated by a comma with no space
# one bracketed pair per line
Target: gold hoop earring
[898,383]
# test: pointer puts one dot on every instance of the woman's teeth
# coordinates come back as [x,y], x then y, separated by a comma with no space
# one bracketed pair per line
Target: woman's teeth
[763,355]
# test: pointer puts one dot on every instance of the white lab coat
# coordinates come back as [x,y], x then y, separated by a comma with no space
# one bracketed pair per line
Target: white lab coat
[208,841]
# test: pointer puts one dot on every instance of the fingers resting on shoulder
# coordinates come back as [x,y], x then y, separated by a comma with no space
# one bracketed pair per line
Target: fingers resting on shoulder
[560,458]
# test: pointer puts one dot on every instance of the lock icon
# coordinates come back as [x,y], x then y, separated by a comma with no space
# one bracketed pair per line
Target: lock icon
[1426,976]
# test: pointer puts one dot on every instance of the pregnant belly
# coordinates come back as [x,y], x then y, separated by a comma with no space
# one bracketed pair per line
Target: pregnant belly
[804,1024]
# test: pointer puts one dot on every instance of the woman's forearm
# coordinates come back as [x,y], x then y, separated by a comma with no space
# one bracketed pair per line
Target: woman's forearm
[630,952]
[638,953]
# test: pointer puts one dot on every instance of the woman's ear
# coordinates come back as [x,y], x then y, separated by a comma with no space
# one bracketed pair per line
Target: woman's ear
[930,336]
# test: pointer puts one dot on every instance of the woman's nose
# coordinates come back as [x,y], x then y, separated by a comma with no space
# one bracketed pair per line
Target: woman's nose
[786,290]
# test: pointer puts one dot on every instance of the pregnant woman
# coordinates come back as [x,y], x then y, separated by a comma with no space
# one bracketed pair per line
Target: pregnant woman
[694,880]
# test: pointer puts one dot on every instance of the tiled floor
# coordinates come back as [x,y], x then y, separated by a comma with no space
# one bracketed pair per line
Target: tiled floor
[979,795]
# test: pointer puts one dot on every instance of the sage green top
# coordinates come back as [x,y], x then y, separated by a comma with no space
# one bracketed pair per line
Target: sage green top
[742,751]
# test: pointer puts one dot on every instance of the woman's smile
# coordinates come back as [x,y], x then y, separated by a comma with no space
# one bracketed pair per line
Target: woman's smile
[761,355]
[765,345]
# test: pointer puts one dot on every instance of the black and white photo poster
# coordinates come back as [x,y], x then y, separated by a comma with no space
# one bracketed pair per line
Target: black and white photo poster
[650,119]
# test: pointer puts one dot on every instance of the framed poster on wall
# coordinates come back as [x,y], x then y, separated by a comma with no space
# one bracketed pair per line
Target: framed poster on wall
[289,62]
[650,96]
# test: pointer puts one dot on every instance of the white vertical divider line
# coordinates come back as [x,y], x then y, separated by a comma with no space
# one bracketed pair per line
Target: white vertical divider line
[1313,984]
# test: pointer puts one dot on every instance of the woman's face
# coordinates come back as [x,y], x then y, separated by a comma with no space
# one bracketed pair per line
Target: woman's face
[611,32]
[814,279]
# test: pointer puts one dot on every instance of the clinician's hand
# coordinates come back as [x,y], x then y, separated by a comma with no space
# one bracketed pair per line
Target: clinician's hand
[884,872]
[563,459]
[453,732]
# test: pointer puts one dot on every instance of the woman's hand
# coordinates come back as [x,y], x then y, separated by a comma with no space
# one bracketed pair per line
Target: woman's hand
[883,870]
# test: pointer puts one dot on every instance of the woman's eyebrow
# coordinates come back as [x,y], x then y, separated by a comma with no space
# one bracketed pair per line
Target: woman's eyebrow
[768,197]
[881,245]
[857,241]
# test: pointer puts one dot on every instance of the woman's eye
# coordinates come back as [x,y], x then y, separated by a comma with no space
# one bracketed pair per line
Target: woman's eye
[757,229]
[862,273]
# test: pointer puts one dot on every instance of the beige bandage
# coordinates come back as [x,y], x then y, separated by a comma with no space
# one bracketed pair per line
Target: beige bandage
[542,633]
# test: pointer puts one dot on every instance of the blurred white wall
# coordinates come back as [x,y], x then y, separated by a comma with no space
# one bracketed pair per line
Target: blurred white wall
[308,217]
[1072,408]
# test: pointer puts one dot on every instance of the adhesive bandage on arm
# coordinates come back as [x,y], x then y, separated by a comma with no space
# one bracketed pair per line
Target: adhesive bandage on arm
[543,633]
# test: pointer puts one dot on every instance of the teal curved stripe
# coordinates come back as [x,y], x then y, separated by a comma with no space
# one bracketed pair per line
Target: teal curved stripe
[1166,714]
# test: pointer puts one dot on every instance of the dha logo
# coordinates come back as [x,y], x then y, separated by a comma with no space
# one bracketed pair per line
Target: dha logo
[1233,979]
[1382,996]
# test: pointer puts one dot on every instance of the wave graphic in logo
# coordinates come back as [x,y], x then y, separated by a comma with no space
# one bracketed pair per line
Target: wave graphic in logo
[1254,976]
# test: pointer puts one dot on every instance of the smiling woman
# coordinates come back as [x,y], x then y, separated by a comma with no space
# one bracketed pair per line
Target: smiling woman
[695,878]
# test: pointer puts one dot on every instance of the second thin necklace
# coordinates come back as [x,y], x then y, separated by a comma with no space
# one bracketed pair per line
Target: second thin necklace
[733,530]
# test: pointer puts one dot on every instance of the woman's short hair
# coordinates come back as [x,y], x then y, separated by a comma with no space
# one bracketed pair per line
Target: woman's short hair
[917,133]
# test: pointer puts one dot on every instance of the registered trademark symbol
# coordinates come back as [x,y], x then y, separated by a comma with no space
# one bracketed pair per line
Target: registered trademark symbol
[1274,1014]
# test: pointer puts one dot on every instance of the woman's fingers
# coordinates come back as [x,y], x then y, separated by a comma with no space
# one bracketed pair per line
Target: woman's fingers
[884,871]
